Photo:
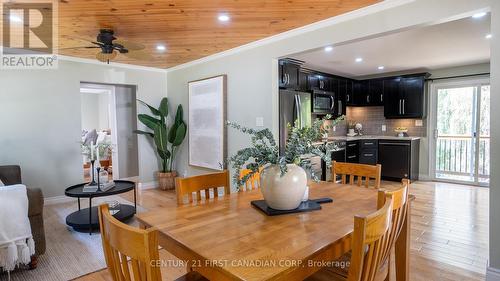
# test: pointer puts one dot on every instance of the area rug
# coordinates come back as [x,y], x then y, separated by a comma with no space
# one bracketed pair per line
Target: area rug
[69,254]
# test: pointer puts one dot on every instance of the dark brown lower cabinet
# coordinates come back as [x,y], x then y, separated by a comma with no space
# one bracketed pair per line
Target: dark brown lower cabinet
[399,159]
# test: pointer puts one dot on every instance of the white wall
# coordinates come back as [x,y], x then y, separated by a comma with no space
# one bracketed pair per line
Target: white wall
[495,141]
[95,111]
[40,120]
[90,111]
[252,72]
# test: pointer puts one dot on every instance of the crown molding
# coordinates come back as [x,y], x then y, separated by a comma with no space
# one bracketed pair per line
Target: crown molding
[111,64]
[381,6]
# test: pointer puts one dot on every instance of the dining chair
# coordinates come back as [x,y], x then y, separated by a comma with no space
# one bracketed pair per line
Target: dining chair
[202,183]
[351,171]
[370,239]
[131,253]
[399,209]
[399,200]
[253,182]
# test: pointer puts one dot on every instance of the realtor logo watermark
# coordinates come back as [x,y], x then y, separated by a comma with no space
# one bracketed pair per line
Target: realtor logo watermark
[29,34]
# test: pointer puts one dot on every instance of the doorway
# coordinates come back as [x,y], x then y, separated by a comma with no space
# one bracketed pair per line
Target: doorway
[462,132]
[108,114]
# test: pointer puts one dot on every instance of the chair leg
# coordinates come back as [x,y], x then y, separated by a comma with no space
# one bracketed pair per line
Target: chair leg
[34,262]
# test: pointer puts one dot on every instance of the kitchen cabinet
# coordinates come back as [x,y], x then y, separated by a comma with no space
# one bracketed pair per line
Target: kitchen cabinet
[352,152]
[318,81]
[303,80]
[412,95]
[288,74]
[402,96]
[368,152]
[367,93]
[391,96]
[399,159]
[376,92]
[405,97]
[360,95]
[340,96]
[349,96]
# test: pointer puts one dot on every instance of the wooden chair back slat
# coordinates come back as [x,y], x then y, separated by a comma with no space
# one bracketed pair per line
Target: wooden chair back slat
[202,183]
[369,242]
[399,210]
[353,173]
[127,248]
[253,182]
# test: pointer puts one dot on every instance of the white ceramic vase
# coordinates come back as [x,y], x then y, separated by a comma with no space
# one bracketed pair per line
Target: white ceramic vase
[283,192]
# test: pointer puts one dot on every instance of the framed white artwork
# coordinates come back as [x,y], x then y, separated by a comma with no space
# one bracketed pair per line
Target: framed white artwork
[207,117]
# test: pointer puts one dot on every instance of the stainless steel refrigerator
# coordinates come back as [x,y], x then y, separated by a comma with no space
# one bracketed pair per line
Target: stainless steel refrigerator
[293,106]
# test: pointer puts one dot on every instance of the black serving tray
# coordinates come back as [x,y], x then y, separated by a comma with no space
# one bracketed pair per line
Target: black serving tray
[307,206]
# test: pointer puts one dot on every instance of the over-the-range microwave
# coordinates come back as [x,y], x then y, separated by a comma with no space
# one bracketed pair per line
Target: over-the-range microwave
[323,102]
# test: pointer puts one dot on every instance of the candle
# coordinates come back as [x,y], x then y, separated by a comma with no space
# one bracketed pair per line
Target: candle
[91,152]
[97,152]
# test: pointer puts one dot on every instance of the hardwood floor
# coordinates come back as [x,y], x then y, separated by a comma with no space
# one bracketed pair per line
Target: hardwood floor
[449,232]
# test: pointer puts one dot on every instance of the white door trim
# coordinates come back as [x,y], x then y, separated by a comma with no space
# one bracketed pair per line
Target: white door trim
[110,91]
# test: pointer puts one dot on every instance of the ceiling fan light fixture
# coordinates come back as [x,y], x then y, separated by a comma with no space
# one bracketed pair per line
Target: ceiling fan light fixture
[103,57]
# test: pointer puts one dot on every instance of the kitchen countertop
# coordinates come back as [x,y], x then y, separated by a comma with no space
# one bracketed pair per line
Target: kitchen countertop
[371,137]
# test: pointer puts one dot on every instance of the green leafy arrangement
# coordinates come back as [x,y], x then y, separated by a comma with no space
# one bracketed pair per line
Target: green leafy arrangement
[167,139]
[301,143]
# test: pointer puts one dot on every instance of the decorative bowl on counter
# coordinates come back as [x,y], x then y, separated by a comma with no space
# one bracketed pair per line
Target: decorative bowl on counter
[401,131]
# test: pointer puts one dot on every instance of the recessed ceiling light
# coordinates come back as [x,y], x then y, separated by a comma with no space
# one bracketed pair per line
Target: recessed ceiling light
[479,15]
[223,17]
[381,67]
[14,18]
[161,47]
[359,59]
[488,36]
[328,48]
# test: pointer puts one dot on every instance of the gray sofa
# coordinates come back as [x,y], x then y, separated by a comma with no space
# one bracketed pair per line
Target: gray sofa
[12,175]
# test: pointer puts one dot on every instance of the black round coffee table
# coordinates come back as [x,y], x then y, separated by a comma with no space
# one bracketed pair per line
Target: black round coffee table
[87,219]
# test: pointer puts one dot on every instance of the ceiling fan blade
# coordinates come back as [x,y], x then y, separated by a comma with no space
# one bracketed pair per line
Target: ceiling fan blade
[139,55]
[105,57]
[79,38]
[129,45]
[80,47]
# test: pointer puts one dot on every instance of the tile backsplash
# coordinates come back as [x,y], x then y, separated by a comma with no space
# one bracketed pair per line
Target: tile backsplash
[372,118]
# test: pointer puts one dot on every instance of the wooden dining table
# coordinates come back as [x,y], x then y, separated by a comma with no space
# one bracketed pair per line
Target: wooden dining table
[226,238]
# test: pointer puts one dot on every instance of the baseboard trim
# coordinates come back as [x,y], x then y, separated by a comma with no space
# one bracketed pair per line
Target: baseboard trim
[57,200]
[147,185]
[424,177]
[492,274]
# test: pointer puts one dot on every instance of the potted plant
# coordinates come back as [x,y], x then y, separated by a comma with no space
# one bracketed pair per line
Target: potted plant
[166,139]
[283,179]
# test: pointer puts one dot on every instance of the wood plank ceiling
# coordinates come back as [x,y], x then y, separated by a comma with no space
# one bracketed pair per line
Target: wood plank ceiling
[188,28]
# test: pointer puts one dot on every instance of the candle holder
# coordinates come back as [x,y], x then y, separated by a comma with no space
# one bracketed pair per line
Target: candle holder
[93,173]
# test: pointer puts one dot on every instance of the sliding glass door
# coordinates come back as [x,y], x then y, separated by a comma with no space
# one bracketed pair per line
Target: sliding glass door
[462,132]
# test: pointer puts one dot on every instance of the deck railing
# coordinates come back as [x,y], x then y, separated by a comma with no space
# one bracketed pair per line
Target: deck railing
[455,155]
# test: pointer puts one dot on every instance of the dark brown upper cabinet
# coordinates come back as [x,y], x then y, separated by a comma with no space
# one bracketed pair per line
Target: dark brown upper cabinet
[341,95]
[303,80]
[402,96]
[376,92]
[322,82]
[360,96]
[405,96]
[289,74]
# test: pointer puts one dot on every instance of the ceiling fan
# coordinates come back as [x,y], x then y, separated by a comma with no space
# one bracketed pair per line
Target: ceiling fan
[111,46]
